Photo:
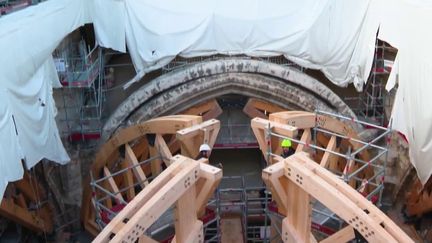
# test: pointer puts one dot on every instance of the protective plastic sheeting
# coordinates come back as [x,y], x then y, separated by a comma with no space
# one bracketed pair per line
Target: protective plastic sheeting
[323,35]
[27,126]
[406,26]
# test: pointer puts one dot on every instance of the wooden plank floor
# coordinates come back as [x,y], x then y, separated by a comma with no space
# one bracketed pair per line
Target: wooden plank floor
[231,230]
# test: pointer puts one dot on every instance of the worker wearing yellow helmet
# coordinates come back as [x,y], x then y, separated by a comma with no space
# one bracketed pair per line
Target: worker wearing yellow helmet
[287,149]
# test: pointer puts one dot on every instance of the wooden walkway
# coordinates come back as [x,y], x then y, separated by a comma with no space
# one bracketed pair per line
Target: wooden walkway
[231,230]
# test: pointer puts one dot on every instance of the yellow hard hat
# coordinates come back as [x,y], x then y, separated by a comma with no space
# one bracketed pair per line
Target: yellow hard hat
[286,143]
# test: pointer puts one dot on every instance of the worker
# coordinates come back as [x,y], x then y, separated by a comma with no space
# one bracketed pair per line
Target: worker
[287,149]
[204,151]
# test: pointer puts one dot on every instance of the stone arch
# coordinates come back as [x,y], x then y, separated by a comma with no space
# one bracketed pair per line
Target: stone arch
[180,89]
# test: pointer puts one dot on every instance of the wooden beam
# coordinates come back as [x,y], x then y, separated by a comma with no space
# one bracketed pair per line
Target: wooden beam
[191,138]
[255,108]
[211,177]
[310,181]
[276,182]
[208,110]
[259,128]
[158,204]
[156,163]
[146,239]
[142,198]
[185,213]
[114,188]
[329,157]
[344,235]
[289,232]
[196,234]
[298,211]
[163,149]
[305,138]
[22,216]
[356,198]
[128,181]
[137,170]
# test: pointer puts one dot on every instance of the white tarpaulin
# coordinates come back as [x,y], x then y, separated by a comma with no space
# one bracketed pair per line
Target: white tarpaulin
[406,26]
[323,35]
[27,126]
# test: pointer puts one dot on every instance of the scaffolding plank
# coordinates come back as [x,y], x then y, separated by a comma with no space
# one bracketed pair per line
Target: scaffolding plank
[231,230]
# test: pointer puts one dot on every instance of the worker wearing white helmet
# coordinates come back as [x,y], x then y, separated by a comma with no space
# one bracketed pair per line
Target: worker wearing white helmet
[204,151]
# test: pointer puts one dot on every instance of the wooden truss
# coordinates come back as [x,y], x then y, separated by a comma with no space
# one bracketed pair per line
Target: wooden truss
[187,183]
[297,179]
[127,162]
[25,202]
[208,110]
[259,108]
[419,199]
[300,125]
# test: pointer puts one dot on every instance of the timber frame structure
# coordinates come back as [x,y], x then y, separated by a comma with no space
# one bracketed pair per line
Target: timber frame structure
[296,179]
[419,199]
[330,164]
[132,158]
[332,143]
[187,183]
[26,202]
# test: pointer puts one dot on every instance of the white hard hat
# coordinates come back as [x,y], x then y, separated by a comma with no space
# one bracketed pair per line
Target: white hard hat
[204,147]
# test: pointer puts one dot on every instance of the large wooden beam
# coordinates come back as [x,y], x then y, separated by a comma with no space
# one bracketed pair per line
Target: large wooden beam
[192,137]
[175,185]
[370,222]
[141,199]
[344,235]
[262,127]
[156,204]
[19,196]
[208,110]
[259,108]
[133,162]
[211,177]
[22,216]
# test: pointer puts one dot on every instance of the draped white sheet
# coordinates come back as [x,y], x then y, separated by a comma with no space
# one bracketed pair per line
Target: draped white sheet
[28,129]
[323,35]
[406,25]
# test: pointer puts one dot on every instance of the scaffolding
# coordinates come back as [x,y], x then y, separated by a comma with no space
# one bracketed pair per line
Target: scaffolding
[374,146]
[80,101]
[371,103]
[324,221]
[108,203]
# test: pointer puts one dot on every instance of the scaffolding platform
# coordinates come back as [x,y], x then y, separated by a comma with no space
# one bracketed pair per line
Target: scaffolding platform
[80,101]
